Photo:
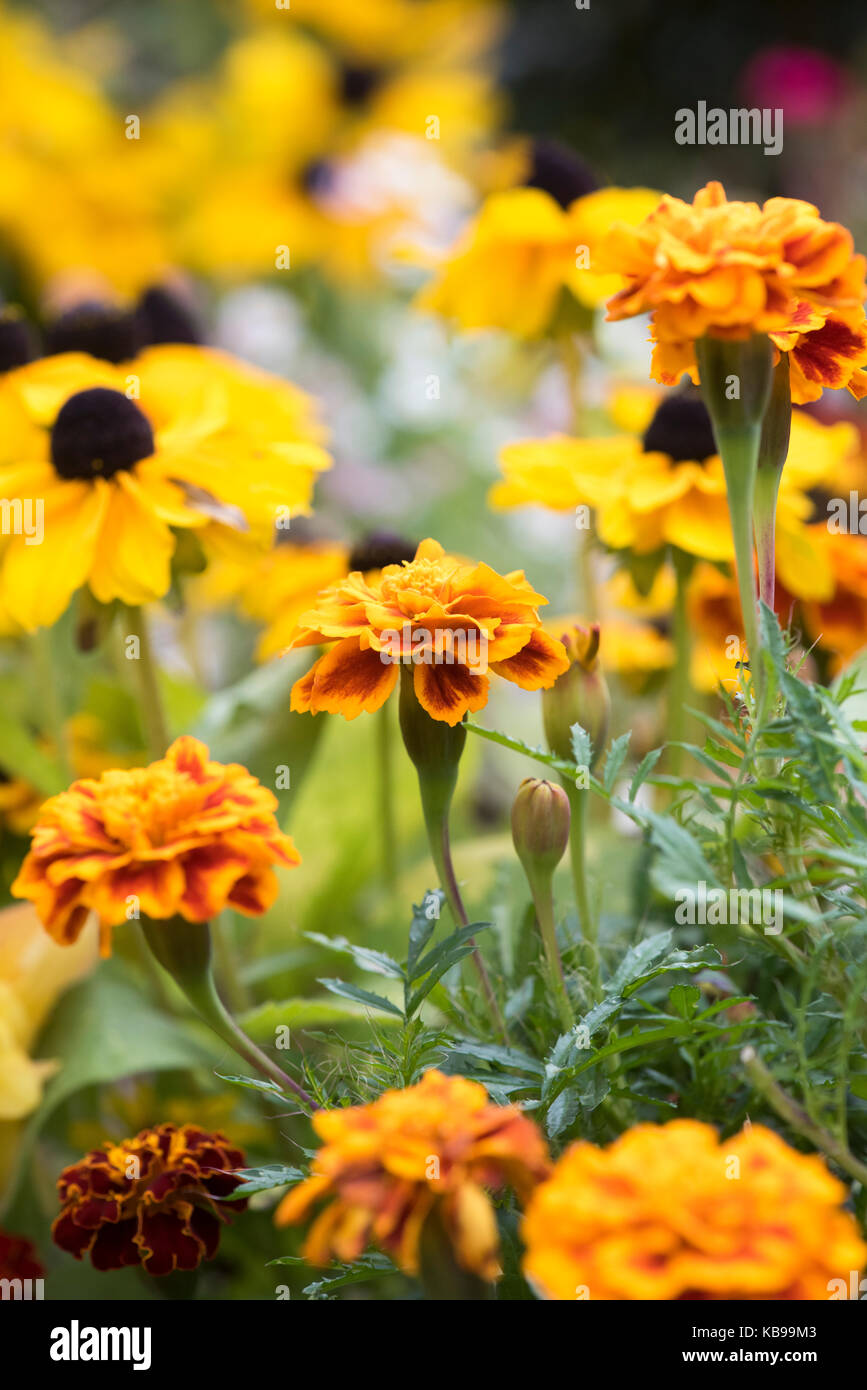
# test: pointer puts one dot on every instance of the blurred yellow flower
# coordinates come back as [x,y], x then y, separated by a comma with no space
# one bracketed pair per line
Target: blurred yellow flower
[672,1211]
[34,972]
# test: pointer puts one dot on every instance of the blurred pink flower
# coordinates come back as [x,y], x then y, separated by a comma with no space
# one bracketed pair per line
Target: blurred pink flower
[809,86]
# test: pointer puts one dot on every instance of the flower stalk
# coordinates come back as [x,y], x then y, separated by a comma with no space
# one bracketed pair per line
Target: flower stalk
[773,449]
[435,749]
[184,950]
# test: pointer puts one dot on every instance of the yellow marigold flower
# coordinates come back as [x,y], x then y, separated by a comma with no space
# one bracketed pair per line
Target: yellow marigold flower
[449,619]
[671,1211]
[186,837]
[384,1167]
[206,441]
[523,249]
[153,1201]
[731,269]
[34,972]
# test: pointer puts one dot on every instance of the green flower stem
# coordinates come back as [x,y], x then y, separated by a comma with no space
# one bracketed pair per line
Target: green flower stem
[773,449]
[184,950]
[678,690]
[47,692]
[385,788]
[435,749]
[543,897]
[788,1109]
[147,687]
[578,799]
[736,386]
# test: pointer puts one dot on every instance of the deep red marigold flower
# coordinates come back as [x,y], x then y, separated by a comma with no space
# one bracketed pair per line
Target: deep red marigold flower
[18,1259]
[448,621]
[384,1167]
[151,1201]
[186,837]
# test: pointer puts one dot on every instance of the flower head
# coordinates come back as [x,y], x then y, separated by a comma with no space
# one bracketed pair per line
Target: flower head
[450,620]
[511,265]
[118,458]
[152,1201]
[18,1258]
[186,837]
[732,269]
[671,1211]
[384,1167]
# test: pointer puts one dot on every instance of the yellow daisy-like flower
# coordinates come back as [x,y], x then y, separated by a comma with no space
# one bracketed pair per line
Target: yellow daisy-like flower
[510,266]
[672,1212]
[186,836]
[115,457]
[731,269]
[452,621]
[383,1168]
[667,487]
[34,972]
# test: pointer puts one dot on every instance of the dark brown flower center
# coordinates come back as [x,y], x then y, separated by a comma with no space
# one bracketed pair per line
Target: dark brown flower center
[97,433]
[17,341]
[358,83]
[102,330]
[163,317]
[558,171]
[681,428]
[378,549]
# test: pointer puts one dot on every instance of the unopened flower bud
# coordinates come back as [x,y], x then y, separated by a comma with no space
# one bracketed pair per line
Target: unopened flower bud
[540,825]
[579,696]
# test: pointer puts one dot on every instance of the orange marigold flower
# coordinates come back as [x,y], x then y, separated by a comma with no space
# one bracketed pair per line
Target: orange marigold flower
[671,1212]
[449,619]
[152,1201]
[386,1165]
[731,269]
[185,836]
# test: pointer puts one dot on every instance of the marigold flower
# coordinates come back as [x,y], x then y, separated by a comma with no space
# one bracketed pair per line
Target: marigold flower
[185,836]
[384,1166]
[449,619]
[206,443]
[18,1258]
[732,269]
[152,1201]
[671,1211]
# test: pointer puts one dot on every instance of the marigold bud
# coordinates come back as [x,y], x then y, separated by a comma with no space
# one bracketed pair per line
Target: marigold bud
[579,696]
[540,825]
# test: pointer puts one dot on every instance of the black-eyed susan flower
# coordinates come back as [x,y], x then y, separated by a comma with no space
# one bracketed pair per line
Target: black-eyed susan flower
[446,620]
[672,1211]
[187,836]
[384,1168]
[730,269]
[153,1201]
[118,457]
[511,265]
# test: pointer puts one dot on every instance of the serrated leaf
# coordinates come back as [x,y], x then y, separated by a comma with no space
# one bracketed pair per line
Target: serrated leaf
[361,996]
[264,1179]
[614,759]
[377,962]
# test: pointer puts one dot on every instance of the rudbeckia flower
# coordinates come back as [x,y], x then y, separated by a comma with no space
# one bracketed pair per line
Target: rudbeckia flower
[667,487]
[34,972]
[383,1168]
[714,268]
[511,265]
[672,1211]
[449,619]
[118,457]
[186,836]
[153,1201]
